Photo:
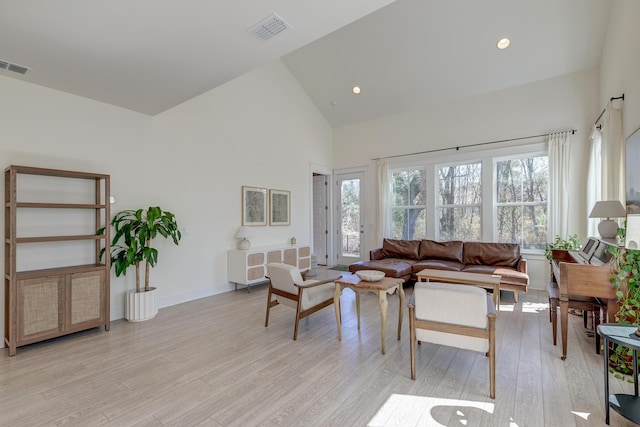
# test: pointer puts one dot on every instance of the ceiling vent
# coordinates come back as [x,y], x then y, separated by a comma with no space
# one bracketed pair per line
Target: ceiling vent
[20,69]
[269,27]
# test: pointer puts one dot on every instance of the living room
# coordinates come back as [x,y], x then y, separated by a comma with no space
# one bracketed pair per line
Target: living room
[262,129]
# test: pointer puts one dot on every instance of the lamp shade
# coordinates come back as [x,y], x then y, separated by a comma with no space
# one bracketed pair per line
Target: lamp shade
[244,233]
[608,209]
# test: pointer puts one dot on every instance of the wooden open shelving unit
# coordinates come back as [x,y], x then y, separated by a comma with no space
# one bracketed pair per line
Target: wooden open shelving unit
[47,303]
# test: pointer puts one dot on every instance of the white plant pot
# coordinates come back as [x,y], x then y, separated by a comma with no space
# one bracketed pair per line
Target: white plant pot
[141,306]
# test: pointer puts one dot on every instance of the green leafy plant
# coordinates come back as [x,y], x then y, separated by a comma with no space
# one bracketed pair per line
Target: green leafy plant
[625,277]
[572,243]
[134,232]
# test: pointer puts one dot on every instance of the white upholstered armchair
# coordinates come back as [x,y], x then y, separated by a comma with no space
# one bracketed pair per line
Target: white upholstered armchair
[461,316]
[289,288]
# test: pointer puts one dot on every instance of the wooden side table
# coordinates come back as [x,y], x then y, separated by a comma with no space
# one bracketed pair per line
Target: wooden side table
[490,281]
[625,404]
[387,285]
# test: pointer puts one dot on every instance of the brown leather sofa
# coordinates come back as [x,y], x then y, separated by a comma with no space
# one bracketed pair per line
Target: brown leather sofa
[404,258]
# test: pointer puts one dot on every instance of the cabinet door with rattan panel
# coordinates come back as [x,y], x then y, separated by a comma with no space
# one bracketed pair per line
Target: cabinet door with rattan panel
[85,299]
[40,308]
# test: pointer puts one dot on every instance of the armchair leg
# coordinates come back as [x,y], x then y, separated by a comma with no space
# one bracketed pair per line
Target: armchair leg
[266,319]
[295,329]
[412,341]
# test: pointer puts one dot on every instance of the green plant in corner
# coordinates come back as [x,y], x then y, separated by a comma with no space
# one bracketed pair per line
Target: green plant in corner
[625,277]
[572,243]
[134,232]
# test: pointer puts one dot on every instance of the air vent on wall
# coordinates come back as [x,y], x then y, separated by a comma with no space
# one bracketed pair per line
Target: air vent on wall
[20,69]
[269,27]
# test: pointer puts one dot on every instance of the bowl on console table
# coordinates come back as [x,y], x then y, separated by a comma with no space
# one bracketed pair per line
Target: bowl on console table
[370,275]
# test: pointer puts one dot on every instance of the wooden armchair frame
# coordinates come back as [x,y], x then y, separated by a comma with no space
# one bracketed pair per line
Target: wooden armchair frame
[488,333]
[300,314]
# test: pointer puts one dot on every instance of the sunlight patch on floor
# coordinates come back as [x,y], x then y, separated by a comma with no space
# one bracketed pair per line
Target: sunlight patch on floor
[507,307]
[583,415]
[534,307]
[409,410]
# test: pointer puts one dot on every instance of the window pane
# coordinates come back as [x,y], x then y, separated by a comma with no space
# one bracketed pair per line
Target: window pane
[409,188]
[523,180]
[409,198]
[460,223]
[460,184]
[409,224]
[526,225]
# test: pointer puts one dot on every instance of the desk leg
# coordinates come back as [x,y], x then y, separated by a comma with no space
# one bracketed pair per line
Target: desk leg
[382,299]
[564,325]
[336,305]
[400,310]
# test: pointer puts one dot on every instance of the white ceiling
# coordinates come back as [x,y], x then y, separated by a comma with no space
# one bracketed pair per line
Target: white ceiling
[150,55]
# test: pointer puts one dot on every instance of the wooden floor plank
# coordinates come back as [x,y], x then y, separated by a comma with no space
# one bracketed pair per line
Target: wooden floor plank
[212,362]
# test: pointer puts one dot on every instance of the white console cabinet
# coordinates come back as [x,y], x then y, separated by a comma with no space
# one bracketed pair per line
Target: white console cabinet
[249,267]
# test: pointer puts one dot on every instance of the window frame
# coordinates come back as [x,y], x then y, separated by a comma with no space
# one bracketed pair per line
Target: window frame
[488,158]
[407,207]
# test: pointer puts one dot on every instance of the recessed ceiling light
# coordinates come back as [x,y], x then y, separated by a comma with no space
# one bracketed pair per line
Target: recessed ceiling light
[503,43]
[356,90]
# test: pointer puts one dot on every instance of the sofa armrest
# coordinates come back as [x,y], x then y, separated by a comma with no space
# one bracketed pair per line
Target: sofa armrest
[375,254]
[522,265]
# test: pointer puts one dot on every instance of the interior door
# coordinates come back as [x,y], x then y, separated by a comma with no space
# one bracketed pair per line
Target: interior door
[350,205]
[320,218]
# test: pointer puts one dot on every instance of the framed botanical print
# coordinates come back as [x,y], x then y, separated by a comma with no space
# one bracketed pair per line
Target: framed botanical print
[280,207]
[254,206]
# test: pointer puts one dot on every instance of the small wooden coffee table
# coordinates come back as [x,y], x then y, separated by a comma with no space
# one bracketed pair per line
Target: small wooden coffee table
[491,281]
[387,285]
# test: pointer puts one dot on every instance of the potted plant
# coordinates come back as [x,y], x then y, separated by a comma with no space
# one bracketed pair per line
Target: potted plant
[625,277]
[572,243]
[135,231]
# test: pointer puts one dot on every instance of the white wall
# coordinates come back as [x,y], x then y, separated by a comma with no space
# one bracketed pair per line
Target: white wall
[620,65]
[566,102]
[260,129]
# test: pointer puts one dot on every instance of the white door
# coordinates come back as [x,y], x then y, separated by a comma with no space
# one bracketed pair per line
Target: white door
[321,219]
[350,206]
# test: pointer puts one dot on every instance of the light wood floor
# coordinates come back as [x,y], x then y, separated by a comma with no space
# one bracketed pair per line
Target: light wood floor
[212,362]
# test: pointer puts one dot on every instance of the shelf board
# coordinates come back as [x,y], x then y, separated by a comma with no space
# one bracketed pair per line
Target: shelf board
[58,270]
[58,238]
[30,170]
[59,205]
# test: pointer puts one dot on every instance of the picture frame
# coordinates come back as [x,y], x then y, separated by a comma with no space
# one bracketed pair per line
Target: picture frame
[254,206]
[280,207]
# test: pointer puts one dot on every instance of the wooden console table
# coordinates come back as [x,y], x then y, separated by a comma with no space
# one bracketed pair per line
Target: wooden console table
[387,285]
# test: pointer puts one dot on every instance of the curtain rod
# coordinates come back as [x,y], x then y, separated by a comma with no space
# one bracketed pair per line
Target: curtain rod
[573,131]
[613,98]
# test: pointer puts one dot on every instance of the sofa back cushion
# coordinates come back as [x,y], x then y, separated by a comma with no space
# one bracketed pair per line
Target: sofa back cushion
[448,251]
[482,253]
[400,248]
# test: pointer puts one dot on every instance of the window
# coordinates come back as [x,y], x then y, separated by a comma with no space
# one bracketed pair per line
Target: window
[460,202]
[409,204]
[521,201]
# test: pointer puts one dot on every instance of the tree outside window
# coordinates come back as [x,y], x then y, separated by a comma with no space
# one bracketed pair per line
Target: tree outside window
[460,200]
[409,203]
[522,195]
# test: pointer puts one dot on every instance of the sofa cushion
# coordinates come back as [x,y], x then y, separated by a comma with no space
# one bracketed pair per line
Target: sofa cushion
[508,275]
[436,264]
[450,251]
[400,248]
[497,254]
[392,267]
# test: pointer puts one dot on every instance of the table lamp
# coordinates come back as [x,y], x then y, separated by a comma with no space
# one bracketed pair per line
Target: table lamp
[244,233]
[608,209]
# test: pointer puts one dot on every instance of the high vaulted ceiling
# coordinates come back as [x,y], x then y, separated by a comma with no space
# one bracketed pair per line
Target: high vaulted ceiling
[150,55]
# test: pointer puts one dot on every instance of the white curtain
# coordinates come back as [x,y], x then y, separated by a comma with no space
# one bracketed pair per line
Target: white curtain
[559,156]
[384,200]
[613,164]
[594,179]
